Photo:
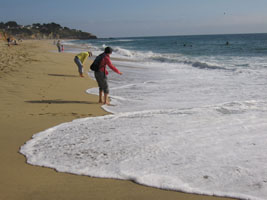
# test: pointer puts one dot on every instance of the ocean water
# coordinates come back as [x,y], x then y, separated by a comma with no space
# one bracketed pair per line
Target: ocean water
[189,114]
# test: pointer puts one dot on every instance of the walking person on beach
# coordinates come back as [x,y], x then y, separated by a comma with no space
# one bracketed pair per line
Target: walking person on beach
[101,75]
[8,41]
[59,46]
[80,59]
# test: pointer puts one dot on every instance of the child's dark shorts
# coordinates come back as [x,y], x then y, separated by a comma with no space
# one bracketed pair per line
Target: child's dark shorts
[101,79]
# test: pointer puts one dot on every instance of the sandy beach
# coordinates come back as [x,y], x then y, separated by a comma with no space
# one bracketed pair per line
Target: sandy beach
[40,88]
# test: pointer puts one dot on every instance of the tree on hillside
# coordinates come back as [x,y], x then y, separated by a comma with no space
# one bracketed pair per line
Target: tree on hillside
[11,24]
[36,25]
[53,26]
[2,25]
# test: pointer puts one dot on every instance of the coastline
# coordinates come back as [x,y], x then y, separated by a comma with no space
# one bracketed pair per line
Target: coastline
[41,89]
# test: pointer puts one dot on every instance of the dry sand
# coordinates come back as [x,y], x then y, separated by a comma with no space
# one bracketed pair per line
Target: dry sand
[40,89]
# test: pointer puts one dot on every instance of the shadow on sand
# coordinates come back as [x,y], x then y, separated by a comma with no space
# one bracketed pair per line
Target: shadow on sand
[63,75]
[59,101]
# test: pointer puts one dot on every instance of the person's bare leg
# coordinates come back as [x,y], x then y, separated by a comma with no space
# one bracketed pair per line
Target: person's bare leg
[100,96]
[106,100]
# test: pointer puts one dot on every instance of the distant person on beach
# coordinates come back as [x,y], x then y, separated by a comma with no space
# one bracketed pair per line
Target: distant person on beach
[59,46]
[80,59]
[101,75]
[8,41]
[227,43]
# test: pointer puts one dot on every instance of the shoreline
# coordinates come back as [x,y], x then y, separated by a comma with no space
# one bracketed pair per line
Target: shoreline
[41,89]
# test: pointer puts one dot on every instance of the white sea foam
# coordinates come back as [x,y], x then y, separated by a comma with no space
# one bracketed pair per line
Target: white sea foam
[120,40]
[197,150]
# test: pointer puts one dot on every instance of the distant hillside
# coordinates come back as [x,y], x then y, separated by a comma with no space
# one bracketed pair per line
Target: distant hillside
[42,31]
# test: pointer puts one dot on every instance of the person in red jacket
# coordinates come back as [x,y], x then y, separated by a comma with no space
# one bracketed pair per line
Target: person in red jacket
[101,75]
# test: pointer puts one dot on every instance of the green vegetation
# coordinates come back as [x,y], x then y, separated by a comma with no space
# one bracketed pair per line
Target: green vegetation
[43,31]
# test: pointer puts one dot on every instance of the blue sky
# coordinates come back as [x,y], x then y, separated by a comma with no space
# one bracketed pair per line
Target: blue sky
[126,18]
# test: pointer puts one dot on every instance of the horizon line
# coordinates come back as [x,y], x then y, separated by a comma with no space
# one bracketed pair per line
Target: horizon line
[208,34]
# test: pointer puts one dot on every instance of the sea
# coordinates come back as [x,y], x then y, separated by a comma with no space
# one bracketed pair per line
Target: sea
[188,114]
